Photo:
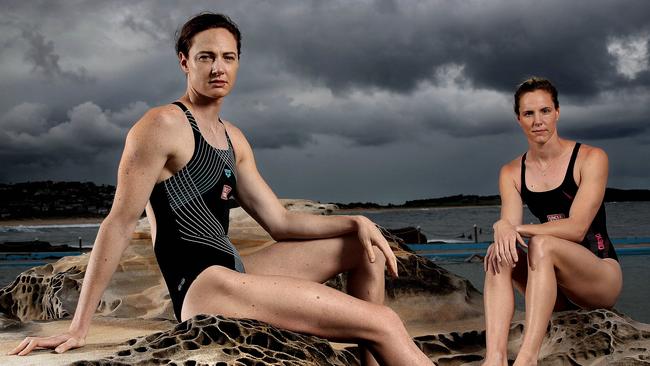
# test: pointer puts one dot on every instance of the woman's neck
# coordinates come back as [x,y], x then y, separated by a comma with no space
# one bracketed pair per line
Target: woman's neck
[202,106]
[550,150]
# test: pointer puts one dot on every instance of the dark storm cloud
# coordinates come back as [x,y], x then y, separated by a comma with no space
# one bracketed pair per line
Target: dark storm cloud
[370,45]
[420,89]
[364,47]
[614,129]
[43,58]
[87,133]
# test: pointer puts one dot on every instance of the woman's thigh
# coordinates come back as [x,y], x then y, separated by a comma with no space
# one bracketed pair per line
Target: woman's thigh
[291,303]
[585,279]
[313,260]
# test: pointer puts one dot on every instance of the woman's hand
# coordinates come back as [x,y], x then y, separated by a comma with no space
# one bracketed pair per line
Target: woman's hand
[369,236]
[490,262]
[504,248]
[60,343]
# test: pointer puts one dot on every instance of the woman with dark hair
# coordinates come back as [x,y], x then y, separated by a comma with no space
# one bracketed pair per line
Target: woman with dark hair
[569,261]
[183,163]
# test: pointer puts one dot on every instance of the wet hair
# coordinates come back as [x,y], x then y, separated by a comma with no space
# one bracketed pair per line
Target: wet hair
[532,84]
[201,22]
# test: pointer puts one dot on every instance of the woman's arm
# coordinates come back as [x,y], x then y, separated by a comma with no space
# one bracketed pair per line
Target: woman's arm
[504,248]
[257,198]
[144,156]
[591,191]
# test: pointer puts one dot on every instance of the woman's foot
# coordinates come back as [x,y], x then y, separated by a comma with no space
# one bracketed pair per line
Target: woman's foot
[524,359]
[497,359]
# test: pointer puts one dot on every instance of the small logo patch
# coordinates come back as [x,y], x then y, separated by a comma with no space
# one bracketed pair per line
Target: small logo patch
[226,190]
[180,285]
[601,242]
[227,172]
[554,217]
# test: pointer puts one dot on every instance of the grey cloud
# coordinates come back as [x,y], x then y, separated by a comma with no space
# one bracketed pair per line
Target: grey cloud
[45,60]
[418,89]
[347,46]
[87,133]
[609,130]
[30,118]
[131,113]
[145,26]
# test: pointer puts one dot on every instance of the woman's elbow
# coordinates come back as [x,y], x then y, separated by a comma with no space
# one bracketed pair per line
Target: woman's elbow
[278,234]
[278,230]
[579,232]
[120,222]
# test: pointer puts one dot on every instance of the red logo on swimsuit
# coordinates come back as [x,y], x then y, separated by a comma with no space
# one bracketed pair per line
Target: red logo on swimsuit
[226,190]
[601,242]
[554,217]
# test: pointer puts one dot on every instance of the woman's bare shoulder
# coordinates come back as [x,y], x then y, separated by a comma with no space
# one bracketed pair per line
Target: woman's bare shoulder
[591,156]
[233,131]
[512,168]
[165,117]
[158,129]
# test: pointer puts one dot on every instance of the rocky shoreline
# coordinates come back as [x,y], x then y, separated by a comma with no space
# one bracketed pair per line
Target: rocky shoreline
[134,323]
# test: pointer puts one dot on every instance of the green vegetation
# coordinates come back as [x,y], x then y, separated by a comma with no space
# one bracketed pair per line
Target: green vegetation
[460,200]
[86,199]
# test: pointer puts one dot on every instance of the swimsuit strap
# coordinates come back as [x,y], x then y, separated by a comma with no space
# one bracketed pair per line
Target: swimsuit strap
[569,170]
[181,106]
[193,122]
[190,119]
[523,173]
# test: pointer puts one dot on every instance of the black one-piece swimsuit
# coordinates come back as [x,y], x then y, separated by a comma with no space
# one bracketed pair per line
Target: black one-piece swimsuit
[556,203]
[192,210]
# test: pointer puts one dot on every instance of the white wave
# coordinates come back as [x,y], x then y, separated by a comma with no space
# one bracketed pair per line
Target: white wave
[34,228]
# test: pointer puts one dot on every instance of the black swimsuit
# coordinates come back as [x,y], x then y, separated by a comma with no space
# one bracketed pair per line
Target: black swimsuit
[556,203]
[192,210]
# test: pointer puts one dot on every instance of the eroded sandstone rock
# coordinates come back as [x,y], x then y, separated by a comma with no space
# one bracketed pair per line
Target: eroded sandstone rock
[423,292]
[136,290]
[596,337]
[215,340]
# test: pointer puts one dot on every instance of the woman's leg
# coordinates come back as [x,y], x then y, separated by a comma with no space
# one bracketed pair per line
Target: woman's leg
[585,279]
[499,303]
[320,260]
[303,306]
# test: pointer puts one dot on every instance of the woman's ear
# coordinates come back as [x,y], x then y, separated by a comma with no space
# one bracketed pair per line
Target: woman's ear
[182,62]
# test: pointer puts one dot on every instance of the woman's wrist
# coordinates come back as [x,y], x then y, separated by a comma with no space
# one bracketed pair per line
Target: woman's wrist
[78,329]
[358,221]
[523,229]
[499,223]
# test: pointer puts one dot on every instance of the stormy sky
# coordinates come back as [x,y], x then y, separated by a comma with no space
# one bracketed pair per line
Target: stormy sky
[342,101]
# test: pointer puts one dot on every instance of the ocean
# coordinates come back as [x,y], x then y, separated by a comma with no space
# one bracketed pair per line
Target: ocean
[625,219]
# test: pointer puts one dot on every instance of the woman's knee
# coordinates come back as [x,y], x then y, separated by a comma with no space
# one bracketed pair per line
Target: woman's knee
[387,320]
[541,248]
[363,260]
[502,273]
[380,258]
[220,279]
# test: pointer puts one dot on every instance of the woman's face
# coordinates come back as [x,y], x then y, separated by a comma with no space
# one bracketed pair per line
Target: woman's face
[538,116]
[212,63]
